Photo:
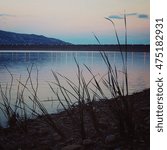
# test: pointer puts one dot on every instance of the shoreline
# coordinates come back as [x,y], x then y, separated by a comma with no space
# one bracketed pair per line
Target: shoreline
[129,48]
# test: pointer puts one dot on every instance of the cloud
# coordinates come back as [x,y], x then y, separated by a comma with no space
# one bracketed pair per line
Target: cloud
[115,17]
[121,16]
[6,15]
[142,16]
[131,14]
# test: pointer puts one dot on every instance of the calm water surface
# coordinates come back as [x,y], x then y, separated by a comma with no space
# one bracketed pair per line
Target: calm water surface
[63,62]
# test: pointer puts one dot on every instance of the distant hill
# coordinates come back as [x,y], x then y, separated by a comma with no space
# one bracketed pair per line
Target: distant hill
[11,38]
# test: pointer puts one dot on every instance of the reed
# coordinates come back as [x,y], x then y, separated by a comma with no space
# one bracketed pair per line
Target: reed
[37,104]
[122,109]
[78,95]
[18,112]
[13,110]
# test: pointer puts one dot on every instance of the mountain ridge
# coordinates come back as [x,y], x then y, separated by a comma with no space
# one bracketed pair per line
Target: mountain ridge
[12,38]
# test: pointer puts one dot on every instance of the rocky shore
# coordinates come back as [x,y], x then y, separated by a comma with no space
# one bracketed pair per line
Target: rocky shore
[123,124]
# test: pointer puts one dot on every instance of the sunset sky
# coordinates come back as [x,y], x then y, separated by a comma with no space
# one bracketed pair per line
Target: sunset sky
[75,20]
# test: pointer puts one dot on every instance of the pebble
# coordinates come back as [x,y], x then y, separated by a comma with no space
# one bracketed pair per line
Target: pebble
[72,147]
[87,142]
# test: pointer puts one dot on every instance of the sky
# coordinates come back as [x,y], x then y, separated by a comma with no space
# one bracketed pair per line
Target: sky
[75,21]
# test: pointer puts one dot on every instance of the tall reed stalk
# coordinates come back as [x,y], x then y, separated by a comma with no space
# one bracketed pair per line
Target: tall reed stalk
[122,109]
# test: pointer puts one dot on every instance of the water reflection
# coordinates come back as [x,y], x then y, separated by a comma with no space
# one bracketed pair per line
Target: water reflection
[63,62]
[138,63]
[65,57]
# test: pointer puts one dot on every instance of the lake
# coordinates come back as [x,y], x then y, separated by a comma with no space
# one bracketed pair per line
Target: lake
[19,63]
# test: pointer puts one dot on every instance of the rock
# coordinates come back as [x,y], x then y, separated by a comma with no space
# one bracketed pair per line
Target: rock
[87,142]
[109,139]
[72,147]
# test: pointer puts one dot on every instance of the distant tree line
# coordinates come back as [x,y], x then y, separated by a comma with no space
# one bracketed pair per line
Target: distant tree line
[70,47]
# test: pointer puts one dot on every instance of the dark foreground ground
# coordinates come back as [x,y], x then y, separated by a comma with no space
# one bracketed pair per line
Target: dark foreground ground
[122,124]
